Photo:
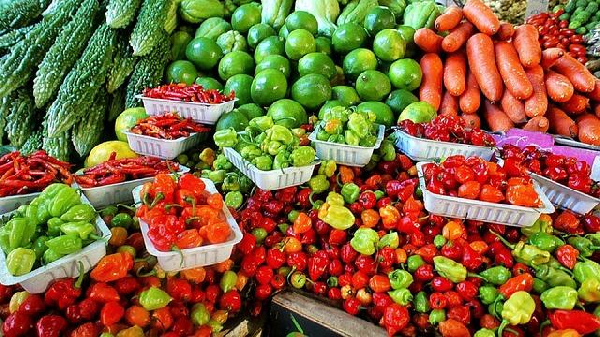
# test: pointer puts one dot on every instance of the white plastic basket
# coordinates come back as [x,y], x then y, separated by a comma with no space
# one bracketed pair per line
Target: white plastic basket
[461,208]
[565,197]
[348,155]
[102,196]
[162,148]
[421,149]
[195,257]
[200,112]
[274,179]
[38,279]
[13,202]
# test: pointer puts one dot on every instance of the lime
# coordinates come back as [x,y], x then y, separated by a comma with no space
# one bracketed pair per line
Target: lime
[327,106]
[212,28]
[348,37]
[379,18]
[317,63]
[288,113]
[259,32]
[232,119]
[240,84]
[299,43]
[383,113]
[245,17]
[181,71]
[418,112]
[408,34]
[373,85]
[346,95]
[236,62]
[273,45]
[268,86]
[405,74]
[301,20]
[323,45]
[277,62]
[359,60]
[232,41]
[179,41]
[127,120]
[209,83]
[389,45]
[203,52]
[399,99]
[252,110]
[311,91]
[283,32]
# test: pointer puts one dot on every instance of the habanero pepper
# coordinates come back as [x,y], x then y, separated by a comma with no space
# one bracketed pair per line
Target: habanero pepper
[560,297]
[523,282]
[579,320]
[518,309]
[103,293]
[83,212]
[64,292]
[112,267]
[154,298]
[589,291]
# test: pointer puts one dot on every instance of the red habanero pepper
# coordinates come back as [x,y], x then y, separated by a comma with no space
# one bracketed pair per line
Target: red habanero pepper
[567,255]
[164,187]
[471,258]
[179,289]
[88,309]
[112,267]
[579,320]
[317,266]
[64,292]
[127,285]
[51,326]
[395,318]
[86,330]
[523,282]
[460,313]
[185,197]
[102,292]
[17,325]
[111,313]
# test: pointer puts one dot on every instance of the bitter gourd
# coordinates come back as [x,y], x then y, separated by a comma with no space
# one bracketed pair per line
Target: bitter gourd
[122,66]
[120,13]
[20,13]
[64,52]
[58,147]
[117,105]
[77,91]
[12,37]
[33,143]
[5,103]
[20,121]
[171,20]
[149,26]
[88,131]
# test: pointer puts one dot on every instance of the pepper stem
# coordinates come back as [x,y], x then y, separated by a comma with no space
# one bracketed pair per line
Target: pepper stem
[79,280]
[503,240]
[131,208]
[502,327]
[296,324]
[97,237]
[158,198]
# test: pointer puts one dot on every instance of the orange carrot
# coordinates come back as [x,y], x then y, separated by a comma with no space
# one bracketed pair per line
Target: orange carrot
[495,118]
[595,94]
[558,86]
[481,16]
[449,105]
[457,37]
[472,121]
[577,73]
[537,69]
[576,105]
[470,100]
[455,72]
[597,110]
[431,83]
[537,104]
[514,109]
[512,71]
[549,56]
[505,32]
[589,129]
[560,123]
[527,45]
[539,123]
[449,19]
[428,40]
[482,62]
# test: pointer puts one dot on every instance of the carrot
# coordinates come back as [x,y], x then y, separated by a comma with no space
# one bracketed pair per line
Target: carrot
[455,71]
[472,121]
[577,73]
[537,69]
[537,104]
[481,16]
[560,123]
[470,100]
[527,45]
[495,118]
[589,129]
[512,71]
[576,105]
[482,62]
[549,56]
[457,37]
[539,123]
[597,110]
[428,40]
[505,32]
[514,109]
[558,86]
[449,105]
[595,94]
[449,19]
[431,83]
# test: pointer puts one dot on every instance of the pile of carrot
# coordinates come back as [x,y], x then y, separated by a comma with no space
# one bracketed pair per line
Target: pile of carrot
[496,74]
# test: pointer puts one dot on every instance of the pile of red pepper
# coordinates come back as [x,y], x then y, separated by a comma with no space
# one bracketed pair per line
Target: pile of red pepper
[27,174]
[188,93]
[167,126]
[555,33]
[115,171]
[448,128]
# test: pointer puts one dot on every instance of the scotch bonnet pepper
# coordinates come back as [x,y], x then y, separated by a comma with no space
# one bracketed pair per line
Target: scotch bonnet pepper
[226,138]
[20,261]
[560,297]
[449,269]
[302,156]
[364,240]
[518,309]
[400,279]
[336,215]
[154,298]
[589,291]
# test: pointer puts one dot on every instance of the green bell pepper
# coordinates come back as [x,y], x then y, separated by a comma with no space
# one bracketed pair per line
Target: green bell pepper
[281,160]
[585,270]
[63,201]
[401,296]
[30,213]
[338,217]
[350,192]
[390,240]
[328,168]
[39,246]
[352,138]
[585,246]
[226,138]
[319,183]
[487,294]
[449,269]
[50,255]
[83,212]
[559,298]
[302,156]
[65,244]
[263,163]
[400,279]
[154,298]
[234,199]
[589,291]
[518,309]
[82,229]
[21,232]
[262,123]
[20,261]
[497,275]
[54,226]
[545,241]
[364,240]
[421,302]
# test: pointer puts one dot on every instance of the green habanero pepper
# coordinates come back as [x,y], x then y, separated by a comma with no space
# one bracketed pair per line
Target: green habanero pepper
[20,261]
[351,138]
[413,262]
[21,232]
[390,240]
[122,220]
[228,281]
[302,156]
[518,309]
[379,194]
[545,241]
[400,279]
[359,124]
[554,277]
[263,163]
[200,314]
[154,298]
[49,192]
[322,135]
[281,134]
[333,126]
[245,183]
[495,309]
[231,182]
[497,275]
[437,316]
[222,163]
[217,176]
[483,332]
[4,239]
[338,217]
[281,160]
[82,229]
[111,210]
[595,238]
[350,192]
[539,285]
[83,212]
[54,226]
[337,112]
[487,294]
[589,291]
[585,247]
[449,269]
[226,138]
[273,147]
[387,150]
[31,214]
[337,139]
[328,168]
[541,225]
[262,123]
[65,244]
[250,152]
[62,201]
[439,241]
[43,215]
[421,302]
[334,198]
[525,253]
[364,240]
[39,246]
[401,296]
[50,255]
[560,297]
[234,199]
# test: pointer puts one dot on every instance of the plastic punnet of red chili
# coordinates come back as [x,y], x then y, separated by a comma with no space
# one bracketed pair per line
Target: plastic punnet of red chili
[184,93]
[446,128]
[168,126]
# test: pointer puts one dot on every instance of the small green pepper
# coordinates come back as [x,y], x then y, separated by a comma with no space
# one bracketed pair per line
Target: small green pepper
[154,298]
[122,220]
[554,277]
[413,262]
[585,247]
[379,194]
[200,315]
[390,240]
[5,239]
[495,309]
[334,198]
[368,141]
[228,281]
[31,214]
[281,134]
[400,279]
[231,182]
[421,302]
[497,275]
[351,138]
[437,316]
[65,244]
[487,294]
[328,168]
[449,269]
[338,217]
[54,226]
[401,296]
[83,212]
[560,297]
[263,163]
[439,241]
[20,261]
[539,286]
[226,138]
[545,241]
[234,199]
[281,160]
[319,183]
[50,255]
[216,177]
[518,309]
[82,229]
[350,192]
[49,192]
[302,156]
[109,211]
[63,201]
[21,232]
[222,163]
[39,246]
[364,240]
[585,270]
[273,147]
[338,139]
[359,124]
[387,150]
[589,291]
[483,332]
[539,226]
[249,152]
[246,184]
[262,123]
[525,253]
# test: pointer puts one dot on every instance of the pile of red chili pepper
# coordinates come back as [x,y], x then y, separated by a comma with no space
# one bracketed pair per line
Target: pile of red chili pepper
[27,174]
[167,126]
[188,93]
[448,128]
[555,33]
[181,213]
[115,171]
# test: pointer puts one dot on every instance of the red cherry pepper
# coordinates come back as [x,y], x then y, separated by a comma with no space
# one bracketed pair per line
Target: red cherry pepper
[111,313]
[50,326]
[179,289]
[17,325]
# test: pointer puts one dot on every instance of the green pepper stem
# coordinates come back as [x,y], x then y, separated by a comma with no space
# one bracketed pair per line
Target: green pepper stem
[503,240]
[97,237]
[79,280]
[296,324]
[127,207]
[158,198]
[502,327]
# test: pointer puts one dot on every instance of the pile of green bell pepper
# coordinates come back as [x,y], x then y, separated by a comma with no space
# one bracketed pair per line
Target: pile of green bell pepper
[344,126]
[53,225]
